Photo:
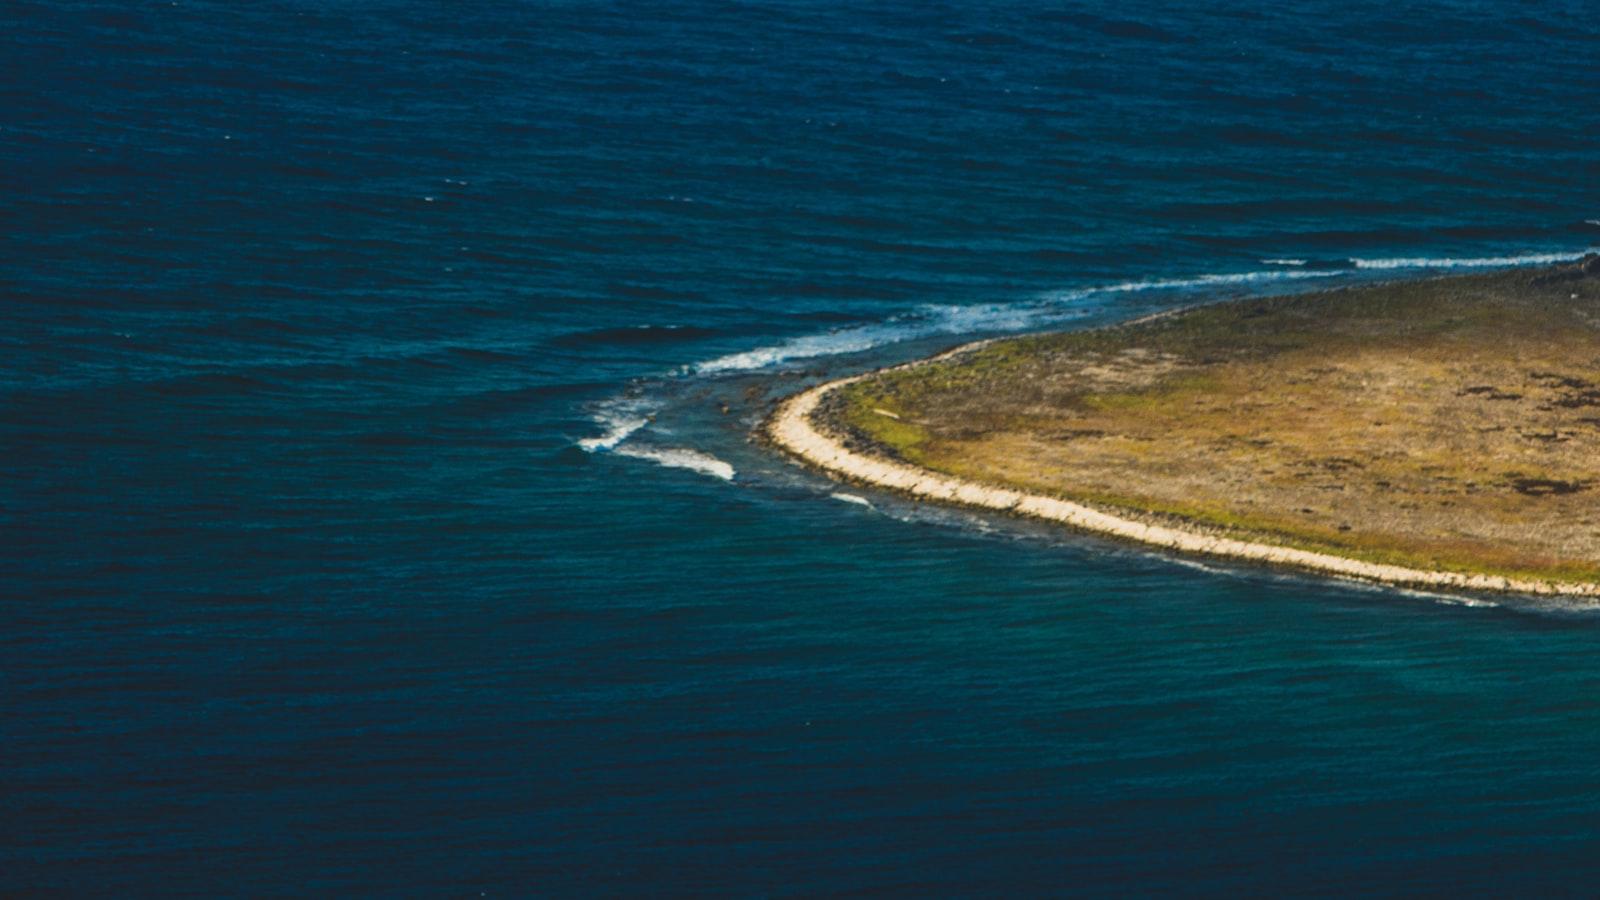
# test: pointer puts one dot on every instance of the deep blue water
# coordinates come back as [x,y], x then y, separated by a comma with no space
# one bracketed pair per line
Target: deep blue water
[370,520]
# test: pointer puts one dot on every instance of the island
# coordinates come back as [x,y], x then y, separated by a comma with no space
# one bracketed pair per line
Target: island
[1437,433]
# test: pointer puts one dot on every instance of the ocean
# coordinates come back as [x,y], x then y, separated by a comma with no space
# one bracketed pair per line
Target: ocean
[379,513]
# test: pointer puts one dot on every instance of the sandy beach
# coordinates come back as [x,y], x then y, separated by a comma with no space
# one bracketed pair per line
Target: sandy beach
[790,427]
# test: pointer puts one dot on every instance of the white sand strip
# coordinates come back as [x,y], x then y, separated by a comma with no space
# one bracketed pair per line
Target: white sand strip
[790,427]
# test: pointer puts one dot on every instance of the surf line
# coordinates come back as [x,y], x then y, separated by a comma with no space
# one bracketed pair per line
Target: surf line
[791,428]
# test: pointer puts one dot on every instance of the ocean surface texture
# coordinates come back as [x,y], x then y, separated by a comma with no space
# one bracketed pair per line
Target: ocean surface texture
[378,513]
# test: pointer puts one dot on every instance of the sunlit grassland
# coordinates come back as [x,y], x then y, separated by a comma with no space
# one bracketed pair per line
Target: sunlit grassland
[1449,424]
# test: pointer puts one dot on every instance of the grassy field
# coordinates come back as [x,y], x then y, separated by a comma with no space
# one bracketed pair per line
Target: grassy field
[1449,424]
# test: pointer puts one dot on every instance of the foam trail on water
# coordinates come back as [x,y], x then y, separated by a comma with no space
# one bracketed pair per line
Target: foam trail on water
[1447,599]
[1434,596]
[680,458]
[1200,566]
[1449,262]
[852,499]
[620,417]
[1285,262]
[929,321]
[1163,284]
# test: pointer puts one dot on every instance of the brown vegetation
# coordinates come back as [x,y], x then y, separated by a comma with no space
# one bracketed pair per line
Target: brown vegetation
[1449,424]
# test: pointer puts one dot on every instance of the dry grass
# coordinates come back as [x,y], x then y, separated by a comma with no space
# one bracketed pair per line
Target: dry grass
[1446,424]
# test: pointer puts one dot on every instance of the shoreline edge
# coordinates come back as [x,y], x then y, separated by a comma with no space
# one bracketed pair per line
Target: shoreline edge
[790,428]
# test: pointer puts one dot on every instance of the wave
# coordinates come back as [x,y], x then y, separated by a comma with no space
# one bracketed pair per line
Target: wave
[933,321]
[1351,583]
[852,499]
[1448,599]
[1440,597]
[1473,262]
[1202,567]
[680,458]
[929,321]
[1284,262]
[620,417]
[1165,284]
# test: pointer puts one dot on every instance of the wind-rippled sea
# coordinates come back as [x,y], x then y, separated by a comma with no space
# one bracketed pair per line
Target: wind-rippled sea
[378,513]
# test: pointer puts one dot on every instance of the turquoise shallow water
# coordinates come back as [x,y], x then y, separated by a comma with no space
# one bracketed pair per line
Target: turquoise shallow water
[378,513]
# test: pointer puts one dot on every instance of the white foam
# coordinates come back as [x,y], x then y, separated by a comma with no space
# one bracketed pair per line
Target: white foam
[832,343]
[680,458]
[1420,594]
[1471,262]
[852,498]
[1285,262]
[928,321]
[932,321]
[1594,222]
[1449,599]
[620,417]
[1200,566]
[1162,284]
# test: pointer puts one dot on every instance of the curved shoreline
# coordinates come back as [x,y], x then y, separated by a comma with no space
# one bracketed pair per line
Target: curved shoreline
[790,428]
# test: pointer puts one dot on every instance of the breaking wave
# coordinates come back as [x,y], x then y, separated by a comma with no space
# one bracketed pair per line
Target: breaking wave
[680,458]
[1167,284]
[929,321]
[619,417]
[932,321]
[1471,262]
